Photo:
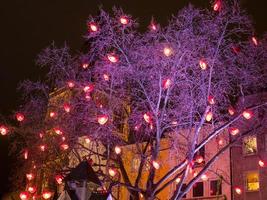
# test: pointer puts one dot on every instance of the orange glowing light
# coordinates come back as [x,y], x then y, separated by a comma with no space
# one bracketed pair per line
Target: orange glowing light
[155,164]
[117,150]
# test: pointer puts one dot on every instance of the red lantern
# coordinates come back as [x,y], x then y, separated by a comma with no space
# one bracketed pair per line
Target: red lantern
[24,195]
[42,147]
[117,150]
[209,116]
[234,131]
[231,110]
[211,100]
[32,189]
[147,118]
[217,5]
[88,88]
[85,65]
[238,190]
[247,114]
[70,84]
[64,146]
[199,159]
[112,58]
[52,114]
[124,20]
[102,119]
[111,172]
[20,117]
[58,131]
[93,27]
[203,65]
[47,195]
[166,83]
[66,107]
[3,130]
[59,179]
[261,163]
[30,176]
[155,164]
[255,41]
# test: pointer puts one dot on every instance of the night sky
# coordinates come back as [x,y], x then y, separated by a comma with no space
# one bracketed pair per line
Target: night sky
[28,26]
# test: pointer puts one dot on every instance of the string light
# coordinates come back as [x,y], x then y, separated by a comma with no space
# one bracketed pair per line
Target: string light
[117,150]
[47,195]
[234,131]
[52,114]
[58,131]
[124,20]
[238,190]
[199,159]
[211,100]
[88,88]
[85,65]
[231,110]
[261,163]
[102,119]
[70,84]
[64,146]
[24,195]
[178,180]
[30,176]
[155,164]
[255,41]
[87,140]
[32,189]
[217,5]
[106,77]
[20,117]
[166,83]
[167,51]
[26,154]
[93,27]
[111,172]
[147,118]
[203,64]
[3,130]
[204,177]
[42,147]
[112,58]
[209,116]
[247,114]
[66,107]
[59,179]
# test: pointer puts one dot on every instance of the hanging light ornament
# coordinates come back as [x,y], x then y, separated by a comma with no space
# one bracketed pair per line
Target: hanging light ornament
[247,114]
[3,130]
[199,159]
[59,179]
[106,77]
[231,110]
[89,88]
[261,163]
[234,131]
[85,65]
[178,180]
[211,100]
[238,190]
[26,154]
[64,146]
[112,58]
[87,140]
[31,189]
[20,117]
[217,5]
[166,83]
[47,194]
[42,147]
[117,150]
[24,195]
[209,116]
[66,107]
[220,142]
[52,114]
[155,164]
[58,131]
[63,138]
[147,117]
[30,176]
[153,26]
[167,51]
[102,119]
[203,65]
[204,177]
[124,20]
[111,172]
[92,27]
[255,41]
[70,84]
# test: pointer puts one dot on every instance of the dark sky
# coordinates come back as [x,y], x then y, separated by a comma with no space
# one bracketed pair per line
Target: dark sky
[27,26]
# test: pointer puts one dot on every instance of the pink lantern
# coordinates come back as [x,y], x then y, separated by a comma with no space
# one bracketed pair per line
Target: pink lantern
[166,83]
[155,164]
[234,131]
[93,27]
[59,179]
[20,117]
[47,194]
[247,114]
[89,88]
[217,5]
[112,58]
[24,195]
[255,41]
[102,119]
[70,84]
[32,189]
[30,176]
[3,130]
[124,20]
[203,65]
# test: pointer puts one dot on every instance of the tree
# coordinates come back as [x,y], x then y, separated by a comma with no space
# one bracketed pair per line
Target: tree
[137,88]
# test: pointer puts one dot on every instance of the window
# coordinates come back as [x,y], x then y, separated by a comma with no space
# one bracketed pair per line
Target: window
[250,145]
[198,189]
[252,181]
[215,187]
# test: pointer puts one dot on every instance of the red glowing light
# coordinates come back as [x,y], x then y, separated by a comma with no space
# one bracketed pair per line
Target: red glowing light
[70,84]
[231,110]
[64,146]
[167,51]
[199,159]
[247,114]
[211,100]
[87,140]
[147,118]
[85,65]
[30,176]
[217,5]
[255,41]
[42,147]
[52,114]
[261,163]
[3,130]
[112,58]
[31,189]
[155,164]
[59,179]
[238,190]
[209,116]
[203,64]
[166,83]
[26,154]
[112,172]
[89,88]
[102,119]
[106,77]
[24,195]
[58,131]
[124,20]
[234,131]
[93,27]
[20,117]
[220,142]
[153,26]
[117,150]
[47,195]
[204,177]
[66,107]
[63,138]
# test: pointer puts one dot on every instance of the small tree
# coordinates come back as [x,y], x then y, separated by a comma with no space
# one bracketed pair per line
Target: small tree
[137,88]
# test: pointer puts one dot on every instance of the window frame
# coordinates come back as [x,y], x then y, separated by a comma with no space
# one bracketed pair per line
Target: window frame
[246,182]
[244,146]
[202,190]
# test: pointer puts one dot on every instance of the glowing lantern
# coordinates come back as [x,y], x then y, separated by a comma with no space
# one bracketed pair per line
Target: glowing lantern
[106,77]
[87,140]
[233,131]
[85,65]
[112,58]
[204,177]
[64,146]
[217,5]
[117,150]
[59,179]
[195,174]
[63,138]
[261,163]
[26,154]
[47,195]
[199,159]
[155,164]
[31,189]
[88,88]
[111,172]
[102,119]
[178,180]
[24,195]
[42,147]
[255,41]
[20,117]
[30,176]
[153,26]
[247,114]
[209,116]
[93,27]
[147,118]
[203,64]
[70,84]
[66,107]
[166,83]
[231,110]
[124,20]
[211,100]
[3,130]
[220,142]
[58,131]
[52,114]
[167,51]
[238,190]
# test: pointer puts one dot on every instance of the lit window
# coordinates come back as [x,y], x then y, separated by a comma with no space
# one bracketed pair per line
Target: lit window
[215,187]
[252,181]
[198,189]
[250,145]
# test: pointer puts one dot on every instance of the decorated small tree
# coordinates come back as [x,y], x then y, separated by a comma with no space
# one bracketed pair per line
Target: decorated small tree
[132,88]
